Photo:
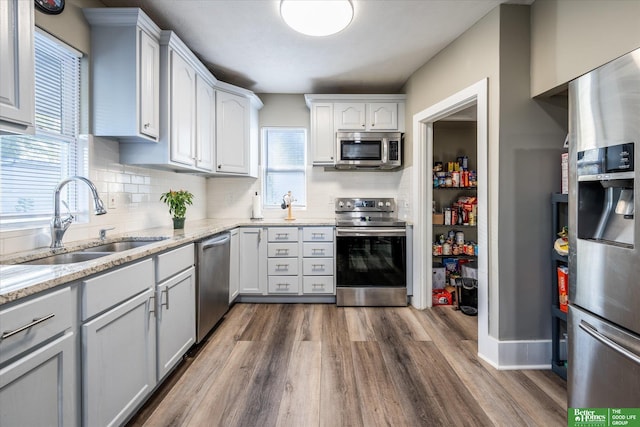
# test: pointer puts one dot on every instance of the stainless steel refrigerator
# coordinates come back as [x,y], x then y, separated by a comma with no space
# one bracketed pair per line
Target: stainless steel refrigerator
[604,237]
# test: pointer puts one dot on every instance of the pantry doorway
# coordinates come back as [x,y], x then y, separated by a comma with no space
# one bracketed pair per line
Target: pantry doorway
[471,103]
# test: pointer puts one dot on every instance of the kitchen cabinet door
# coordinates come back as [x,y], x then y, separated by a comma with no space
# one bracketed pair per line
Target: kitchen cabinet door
[182,110]
[38,389]
[382,116]
[17,98]
[119,359]
[253,274]
[350,116]
[149,85]
[234,271]
[323,140]
[176,317]
[232,133]
[205,124]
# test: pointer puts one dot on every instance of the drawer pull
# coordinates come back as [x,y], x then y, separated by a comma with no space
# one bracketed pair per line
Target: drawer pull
[317,251]
[152,304]
[282,251]
[282,266]
[282,235]
[317,235]
[35,321]
[282,285]
[317,266]
[317,285]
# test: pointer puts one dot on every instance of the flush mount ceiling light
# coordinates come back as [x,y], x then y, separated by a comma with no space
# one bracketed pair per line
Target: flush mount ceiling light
[317,17]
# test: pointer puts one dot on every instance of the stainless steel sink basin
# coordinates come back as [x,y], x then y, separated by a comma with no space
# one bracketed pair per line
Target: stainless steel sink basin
[120,246]
[68,258]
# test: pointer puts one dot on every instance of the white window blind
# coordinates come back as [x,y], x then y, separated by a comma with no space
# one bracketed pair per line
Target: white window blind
[285,155]
[32,165]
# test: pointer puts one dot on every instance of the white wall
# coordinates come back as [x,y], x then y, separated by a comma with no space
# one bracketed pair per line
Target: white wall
[231,197]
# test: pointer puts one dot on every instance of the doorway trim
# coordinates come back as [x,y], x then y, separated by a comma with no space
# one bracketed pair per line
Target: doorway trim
[476,94]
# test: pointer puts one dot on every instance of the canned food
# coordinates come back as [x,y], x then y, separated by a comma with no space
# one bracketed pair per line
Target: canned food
[460,238]
[437,249]
[446,248]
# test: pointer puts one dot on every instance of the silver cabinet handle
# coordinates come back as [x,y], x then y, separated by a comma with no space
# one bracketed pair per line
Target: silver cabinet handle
[282,266]
[317,285]
[283,285]
[282,251]
[608,342]
[317,251]
[165,304]
[37,320]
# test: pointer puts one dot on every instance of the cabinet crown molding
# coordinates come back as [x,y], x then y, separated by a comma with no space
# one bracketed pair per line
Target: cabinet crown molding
[121,16]
[309,98]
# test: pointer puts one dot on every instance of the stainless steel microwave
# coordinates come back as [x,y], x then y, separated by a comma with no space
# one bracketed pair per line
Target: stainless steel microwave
[369,150]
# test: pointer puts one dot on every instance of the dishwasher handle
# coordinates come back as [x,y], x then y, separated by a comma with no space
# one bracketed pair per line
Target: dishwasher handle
[216,241]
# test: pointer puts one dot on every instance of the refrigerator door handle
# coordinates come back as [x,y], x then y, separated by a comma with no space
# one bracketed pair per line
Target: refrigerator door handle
[608,342]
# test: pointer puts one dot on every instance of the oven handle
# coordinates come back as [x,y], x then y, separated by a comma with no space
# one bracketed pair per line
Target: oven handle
[372,231]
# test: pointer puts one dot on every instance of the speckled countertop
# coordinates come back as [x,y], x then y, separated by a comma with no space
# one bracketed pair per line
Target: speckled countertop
[19,281]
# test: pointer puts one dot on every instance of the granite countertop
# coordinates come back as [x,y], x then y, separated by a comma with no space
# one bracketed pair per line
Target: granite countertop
[19,281]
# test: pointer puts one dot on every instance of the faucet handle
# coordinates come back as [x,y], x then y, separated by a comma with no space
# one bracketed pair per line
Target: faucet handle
[103,232]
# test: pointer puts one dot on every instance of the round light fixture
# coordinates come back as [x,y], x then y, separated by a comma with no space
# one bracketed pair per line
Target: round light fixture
[317,17]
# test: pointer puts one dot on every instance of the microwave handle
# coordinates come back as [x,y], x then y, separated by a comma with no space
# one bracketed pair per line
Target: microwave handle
[385,150]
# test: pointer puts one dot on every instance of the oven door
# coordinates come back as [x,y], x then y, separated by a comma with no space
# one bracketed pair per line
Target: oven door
[371,266]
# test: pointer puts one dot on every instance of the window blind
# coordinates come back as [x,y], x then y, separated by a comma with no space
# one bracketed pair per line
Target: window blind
[32,165]
[284,165]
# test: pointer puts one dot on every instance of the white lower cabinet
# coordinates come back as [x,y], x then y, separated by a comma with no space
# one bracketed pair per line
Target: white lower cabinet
[38,367]
[176,309]
[118,361]
[318,261]
[253,249]
[234,268]
[118,343]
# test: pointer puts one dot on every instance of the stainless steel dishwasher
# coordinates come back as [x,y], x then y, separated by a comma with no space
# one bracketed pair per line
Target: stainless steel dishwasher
[212,282]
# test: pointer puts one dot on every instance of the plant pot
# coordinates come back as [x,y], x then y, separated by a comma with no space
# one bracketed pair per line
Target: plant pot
[178,223]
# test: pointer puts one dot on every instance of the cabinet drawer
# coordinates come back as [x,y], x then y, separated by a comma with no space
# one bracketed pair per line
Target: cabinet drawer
[173,262]
[48,315]
[318,285]
[282,266]
[279,250]
[284,284]
[105,291]
[282,234]
[323,250]
[317,234]
[317,266]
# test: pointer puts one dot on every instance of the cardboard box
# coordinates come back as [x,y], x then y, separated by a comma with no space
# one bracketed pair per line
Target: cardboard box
[563,288]
[438,218]
[565,173]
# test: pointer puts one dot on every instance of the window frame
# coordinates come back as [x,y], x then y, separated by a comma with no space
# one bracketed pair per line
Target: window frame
[75,159]
[299,204]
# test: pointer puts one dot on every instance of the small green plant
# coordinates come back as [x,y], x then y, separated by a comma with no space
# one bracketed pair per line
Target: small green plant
[177,202]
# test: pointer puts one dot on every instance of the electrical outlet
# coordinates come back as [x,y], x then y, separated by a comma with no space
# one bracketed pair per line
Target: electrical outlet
[111,201]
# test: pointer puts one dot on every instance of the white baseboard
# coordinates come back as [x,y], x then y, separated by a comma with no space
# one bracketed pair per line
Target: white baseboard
[505,355]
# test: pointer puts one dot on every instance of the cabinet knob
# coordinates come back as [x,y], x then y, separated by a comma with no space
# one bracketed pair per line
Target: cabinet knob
[373,124]
[219,166]
[146,125]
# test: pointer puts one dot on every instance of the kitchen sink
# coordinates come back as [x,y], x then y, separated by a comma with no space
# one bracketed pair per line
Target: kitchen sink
[87,254]
[120,246]
[68,258]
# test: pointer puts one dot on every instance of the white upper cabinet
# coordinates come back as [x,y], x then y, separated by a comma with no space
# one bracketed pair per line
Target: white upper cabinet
[323,139]
[125,62]
[232,133]
[360,116]
[350,113]
[182,108]
[205,124]
[16,67]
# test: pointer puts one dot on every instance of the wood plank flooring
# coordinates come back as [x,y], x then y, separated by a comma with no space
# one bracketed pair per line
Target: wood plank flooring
[322,365]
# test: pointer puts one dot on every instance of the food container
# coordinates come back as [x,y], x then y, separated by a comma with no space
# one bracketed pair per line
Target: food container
[446,248]
[455,179]
[459,238]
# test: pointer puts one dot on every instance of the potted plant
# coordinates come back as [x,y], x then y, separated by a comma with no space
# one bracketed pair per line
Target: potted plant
[177,202]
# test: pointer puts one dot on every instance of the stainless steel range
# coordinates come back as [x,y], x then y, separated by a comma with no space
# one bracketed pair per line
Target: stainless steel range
[371,253]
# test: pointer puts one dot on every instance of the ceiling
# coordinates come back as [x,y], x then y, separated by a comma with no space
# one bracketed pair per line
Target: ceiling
[246,42]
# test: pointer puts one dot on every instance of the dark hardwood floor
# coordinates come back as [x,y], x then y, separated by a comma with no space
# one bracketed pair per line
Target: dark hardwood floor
[322,365]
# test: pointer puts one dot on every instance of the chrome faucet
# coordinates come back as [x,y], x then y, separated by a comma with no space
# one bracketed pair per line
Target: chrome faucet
[60,225]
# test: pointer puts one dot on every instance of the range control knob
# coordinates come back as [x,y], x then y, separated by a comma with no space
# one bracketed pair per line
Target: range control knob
[341,204]
[380,204]
[388,204]
[349,205]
